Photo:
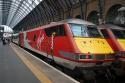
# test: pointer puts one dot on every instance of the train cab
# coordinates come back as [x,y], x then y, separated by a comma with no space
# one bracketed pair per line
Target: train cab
[115,36]
[93,48]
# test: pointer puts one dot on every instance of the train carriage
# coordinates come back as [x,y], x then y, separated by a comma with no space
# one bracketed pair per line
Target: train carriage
[71,43]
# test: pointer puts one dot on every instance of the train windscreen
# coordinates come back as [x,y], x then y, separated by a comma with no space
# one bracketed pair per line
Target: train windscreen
[118,34]
[85,31]
[93,31]
[79,30]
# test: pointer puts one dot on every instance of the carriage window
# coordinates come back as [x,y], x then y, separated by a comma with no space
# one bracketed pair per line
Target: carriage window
[93,31]
[105,33]
[79,30]
[59,30]
[118,34]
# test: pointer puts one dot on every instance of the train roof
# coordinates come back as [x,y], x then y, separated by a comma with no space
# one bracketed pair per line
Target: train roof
[110,26]
[75,21]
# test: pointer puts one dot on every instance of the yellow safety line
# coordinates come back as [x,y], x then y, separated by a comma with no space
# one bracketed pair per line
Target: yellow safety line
[42,78]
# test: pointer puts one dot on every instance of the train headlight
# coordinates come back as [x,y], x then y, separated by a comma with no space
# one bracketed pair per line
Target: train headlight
[86,56]
[82,56]
[89,56]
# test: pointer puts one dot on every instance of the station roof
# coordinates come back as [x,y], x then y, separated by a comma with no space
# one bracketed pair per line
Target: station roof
[14,12]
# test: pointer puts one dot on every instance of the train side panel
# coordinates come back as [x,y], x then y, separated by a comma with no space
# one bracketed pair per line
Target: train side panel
[41,40]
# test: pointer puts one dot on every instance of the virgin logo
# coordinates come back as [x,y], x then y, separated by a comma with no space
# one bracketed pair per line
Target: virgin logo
[39,40]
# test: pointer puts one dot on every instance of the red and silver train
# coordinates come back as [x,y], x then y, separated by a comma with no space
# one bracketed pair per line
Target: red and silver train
[72,43]
[115,36]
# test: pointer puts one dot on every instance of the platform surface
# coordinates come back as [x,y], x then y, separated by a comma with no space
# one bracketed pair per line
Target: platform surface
[12,69]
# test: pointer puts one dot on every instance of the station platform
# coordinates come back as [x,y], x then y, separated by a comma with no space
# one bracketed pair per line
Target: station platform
[19,66]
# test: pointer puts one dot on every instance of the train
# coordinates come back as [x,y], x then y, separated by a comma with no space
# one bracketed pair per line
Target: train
[72,43]
[115,36]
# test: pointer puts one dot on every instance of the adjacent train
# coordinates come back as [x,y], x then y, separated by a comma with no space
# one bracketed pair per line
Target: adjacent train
[115,36]
[72,43]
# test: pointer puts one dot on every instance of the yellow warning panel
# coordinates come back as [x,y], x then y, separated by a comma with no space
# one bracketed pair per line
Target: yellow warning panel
[93,45]
[122,43]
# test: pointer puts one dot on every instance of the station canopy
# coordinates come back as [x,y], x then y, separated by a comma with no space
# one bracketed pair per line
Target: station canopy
[12,12]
